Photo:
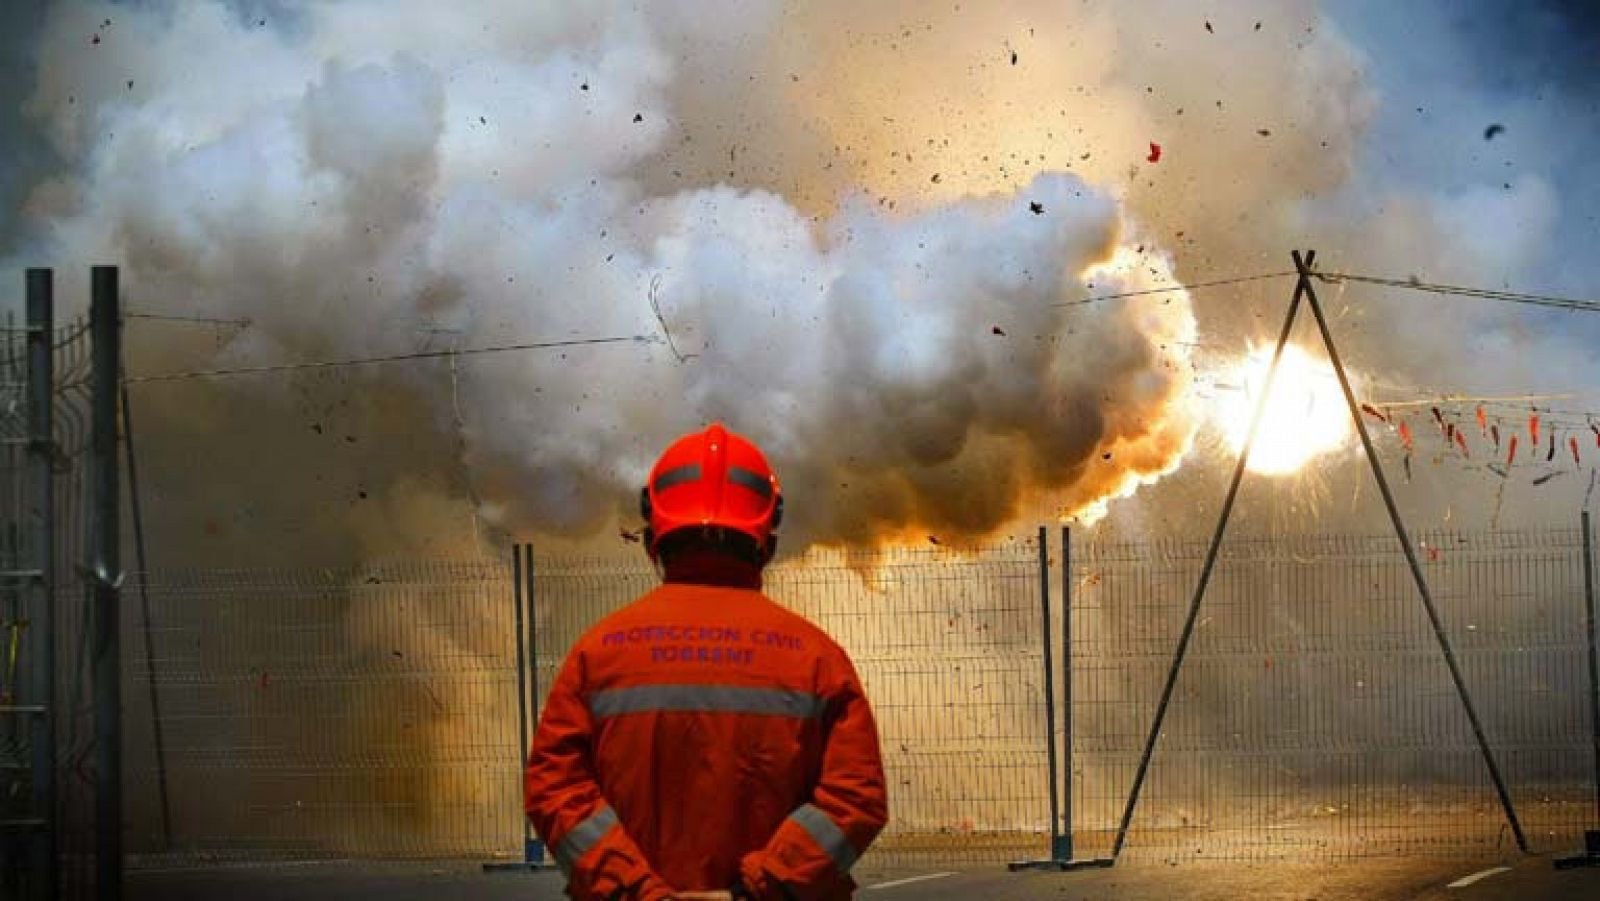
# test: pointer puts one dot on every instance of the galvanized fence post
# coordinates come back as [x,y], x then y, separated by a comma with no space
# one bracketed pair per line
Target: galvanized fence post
[527,672]
[1594,664]
[1590,856]
[42,644]
[1061,848]
[532,845]
[1060,814]
[105,324]
[150,675]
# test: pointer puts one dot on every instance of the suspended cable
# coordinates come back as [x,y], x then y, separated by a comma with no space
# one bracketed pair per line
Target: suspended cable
[1543,300]
[202,320]
[1179,287]
[392,358]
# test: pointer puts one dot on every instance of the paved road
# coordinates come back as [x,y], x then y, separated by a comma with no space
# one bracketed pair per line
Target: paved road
[1529,879]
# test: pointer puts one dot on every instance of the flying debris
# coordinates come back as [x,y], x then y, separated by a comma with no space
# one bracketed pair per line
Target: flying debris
[1036,208]
[1155,153]
[1492,130]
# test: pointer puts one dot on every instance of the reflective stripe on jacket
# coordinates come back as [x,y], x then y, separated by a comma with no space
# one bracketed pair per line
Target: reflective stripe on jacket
[702,735]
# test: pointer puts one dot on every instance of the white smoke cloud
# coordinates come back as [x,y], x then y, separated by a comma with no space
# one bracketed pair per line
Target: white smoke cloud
[496,176]
[831,199]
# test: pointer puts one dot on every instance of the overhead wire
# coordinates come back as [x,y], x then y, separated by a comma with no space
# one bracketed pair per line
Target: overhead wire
[1544,300]
[389,358]
[1505,296]
[1192,286]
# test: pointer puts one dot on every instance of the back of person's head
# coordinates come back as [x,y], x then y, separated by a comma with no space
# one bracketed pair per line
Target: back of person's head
[711,495]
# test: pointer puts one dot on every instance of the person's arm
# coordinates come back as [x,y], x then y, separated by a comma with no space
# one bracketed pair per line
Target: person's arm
[563,801]
[810,855]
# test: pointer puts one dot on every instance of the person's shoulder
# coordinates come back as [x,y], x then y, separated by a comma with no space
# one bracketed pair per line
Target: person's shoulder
[818,636]
[620,618]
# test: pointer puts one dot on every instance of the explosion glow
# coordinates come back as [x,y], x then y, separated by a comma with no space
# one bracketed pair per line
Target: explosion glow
[1305,417]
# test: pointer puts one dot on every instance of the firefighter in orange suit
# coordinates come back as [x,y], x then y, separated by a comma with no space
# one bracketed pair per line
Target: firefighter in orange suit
[704,742]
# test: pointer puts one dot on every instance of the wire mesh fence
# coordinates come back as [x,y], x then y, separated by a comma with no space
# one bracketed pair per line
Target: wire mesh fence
[1315,715]
[948,648]
[373,711]
[47,796]
[328,713]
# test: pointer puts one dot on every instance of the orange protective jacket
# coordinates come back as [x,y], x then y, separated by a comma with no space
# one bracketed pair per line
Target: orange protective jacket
[703,736]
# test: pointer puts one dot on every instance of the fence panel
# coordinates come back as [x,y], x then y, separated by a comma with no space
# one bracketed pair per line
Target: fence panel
[330,712]
[371,711]
[1315,715]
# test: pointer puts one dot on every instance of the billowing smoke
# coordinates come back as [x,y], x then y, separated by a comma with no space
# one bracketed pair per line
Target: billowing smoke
[854,232]
[380,180]
[857,232]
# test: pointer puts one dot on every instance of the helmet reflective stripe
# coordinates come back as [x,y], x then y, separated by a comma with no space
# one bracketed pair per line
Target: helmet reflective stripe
[741,476]
[678,476]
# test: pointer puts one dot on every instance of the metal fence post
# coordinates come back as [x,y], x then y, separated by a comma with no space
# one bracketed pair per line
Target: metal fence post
[532,845]
[1060,826]
[105,328]
[157,727]
[527,663]
[1062,849]
[42,644]
[1594,657]
[1590,857]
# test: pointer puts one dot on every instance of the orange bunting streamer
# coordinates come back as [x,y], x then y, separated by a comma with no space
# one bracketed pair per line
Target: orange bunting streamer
[1575,460]
[1405,436]
[1552,454]
[1494,432]
[1461,440]
[1533,428]
[1483,421]
[1511,456]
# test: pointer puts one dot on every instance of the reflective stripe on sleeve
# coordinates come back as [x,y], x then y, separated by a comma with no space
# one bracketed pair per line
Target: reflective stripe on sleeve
[827,834]
[582,837]
[705,698]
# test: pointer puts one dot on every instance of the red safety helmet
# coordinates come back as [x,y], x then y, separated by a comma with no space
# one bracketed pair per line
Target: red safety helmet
[713,479]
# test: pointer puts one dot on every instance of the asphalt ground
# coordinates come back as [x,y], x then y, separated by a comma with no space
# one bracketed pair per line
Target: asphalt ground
[1378,879]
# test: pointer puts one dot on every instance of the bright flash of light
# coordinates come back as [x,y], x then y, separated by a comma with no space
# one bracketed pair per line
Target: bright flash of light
[1305,418]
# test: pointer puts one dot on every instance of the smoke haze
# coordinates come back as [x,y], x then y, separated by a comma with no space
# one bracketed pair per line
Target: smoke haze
[856,223]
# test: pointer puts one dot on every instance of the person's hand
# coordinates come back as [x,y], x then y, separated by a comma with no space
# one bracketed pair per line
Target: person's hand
[704,896]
